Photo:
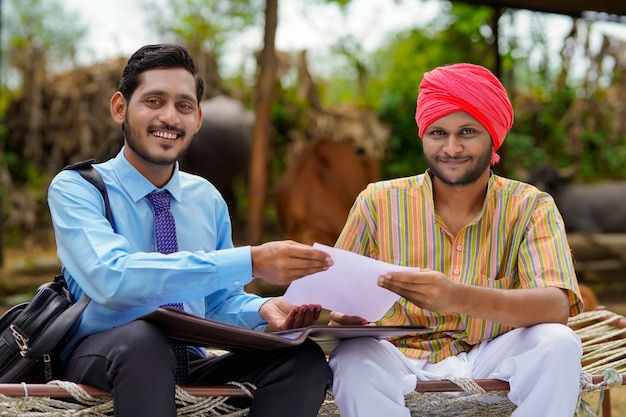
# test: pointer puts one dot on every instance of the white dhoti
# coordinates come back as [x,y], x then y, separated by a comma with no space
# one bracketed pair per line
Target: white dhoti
[541,363]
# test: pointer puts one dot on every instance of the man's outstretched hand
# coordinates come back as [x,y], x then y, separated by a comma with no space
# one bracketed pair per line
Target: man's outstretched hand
[282,262]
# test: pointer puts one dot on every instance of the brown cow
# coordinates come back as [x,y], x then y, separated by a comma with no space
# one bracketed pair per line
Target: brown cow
[315,194]
[318,189]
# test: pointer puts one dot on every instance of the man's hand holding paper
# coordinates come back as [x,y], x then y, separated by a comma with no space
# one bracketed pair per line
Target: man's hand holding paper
[350,286]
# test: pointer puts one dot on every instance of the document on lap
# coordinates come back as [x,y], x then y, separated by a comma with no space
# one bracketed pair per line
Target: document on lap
[350,286]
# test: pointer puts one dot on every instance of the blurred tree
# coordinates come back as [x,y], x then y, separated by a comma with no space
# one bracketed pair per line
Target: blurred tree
[262,125]
[350,47]
[206,27]
[36,35]
[460,33]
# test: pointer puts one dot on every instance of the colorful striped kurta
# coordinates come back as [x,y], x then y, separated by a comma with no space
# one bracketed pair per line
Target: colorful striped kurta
[517,241]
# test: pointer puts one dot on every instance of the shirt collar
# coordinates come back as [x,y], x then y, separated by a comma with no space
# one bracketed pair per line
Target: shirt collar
[138,186]
[489,196]
[491,189]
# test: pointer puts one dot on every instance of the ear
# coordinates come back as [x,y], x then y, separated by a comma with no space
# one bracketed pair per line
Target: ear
[199,118]
[118,108]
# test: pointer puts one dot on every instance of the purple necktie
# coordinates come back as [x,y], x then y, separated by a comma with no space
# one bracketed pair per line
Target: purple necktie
[165,228]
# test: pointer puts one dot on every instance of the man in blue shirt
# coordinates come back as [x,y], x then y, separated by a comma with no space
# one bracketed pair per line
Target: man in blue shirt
[125,276]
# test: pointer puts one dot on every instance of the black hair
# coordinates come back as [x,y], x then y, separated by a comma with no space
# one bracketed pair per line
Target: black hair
[162,56]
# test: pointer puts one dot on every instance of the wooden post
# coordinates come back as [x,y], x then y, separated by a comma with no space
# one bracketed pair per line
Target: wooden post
[260,137]
[497,70]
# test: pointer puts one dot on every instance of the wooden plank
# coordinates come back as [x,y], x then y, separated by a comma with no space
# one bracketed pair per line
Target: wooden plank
[447,386]
[55,391]
[486,384]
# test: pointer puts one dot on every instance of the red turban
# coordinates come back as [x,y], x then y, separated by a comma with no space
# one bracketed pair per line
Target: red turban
[470,88]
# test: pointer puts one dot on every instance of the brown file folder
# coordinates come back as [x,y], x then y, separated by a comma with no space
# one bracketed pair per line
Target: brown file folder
[199,331]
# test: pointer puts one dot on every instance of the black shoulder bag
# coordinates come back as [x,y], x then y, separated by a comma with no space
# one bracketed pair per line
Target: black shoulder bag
[32,334]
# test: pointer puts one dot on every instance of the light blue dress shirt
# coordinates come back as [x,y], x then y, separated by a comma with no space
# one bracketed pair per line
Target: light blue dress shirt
[121,270]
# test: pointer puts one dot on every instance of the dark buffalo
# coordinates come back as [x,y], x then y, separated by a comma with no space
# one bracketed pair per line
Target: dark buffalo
[586,208]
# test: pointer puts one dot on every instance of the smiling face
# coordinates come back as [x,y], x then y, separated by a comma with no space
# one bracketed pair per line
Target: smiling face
[457,149]
[160,119]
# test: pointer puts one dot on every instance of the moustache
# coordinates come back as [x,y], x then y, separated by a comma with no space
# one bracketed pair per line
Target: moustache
[452,158]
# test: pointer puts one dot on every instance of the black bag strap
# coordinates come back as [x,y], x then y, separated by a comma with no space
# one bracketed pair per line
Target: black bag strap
[88,172]
[59,327]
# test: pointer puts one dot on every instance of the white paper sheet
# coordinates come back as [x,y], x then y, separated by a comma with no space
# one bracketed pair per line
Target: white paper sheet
[350,286]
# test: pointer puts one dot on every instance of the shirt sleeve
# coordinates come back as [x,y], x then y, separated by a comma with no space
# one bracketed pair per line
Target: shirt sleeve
[358,232]
[545,258]
[114,274]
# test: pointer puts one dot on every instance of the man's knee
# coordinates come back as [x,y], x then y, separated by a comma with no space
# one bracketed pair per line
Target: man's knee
[140,344]
[144,338]
[557,344]
[310,356]
[353,351]
[560,336]
[130,348]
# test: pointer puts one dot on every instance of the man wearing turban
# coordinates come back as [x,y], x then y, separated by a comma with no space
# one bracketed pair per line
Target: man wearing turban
[493,279]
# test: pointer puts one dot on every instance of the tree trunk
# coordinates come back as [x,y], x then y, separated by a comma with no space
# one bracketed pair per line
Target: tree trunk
[260,138]
[497,70]
[33,78]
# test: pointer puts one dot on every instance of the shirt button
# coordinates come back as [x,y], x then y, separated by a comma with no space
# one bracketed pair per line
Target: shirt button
[456,272]
[459,247]
[236,282]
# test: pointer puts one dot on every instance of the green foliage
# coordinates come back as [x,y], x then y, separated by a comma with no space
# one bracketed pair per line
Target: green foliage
[38,37]
[456,36]
[562,129]
[42,27]
[523,148]
[205,24]
[341,3]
